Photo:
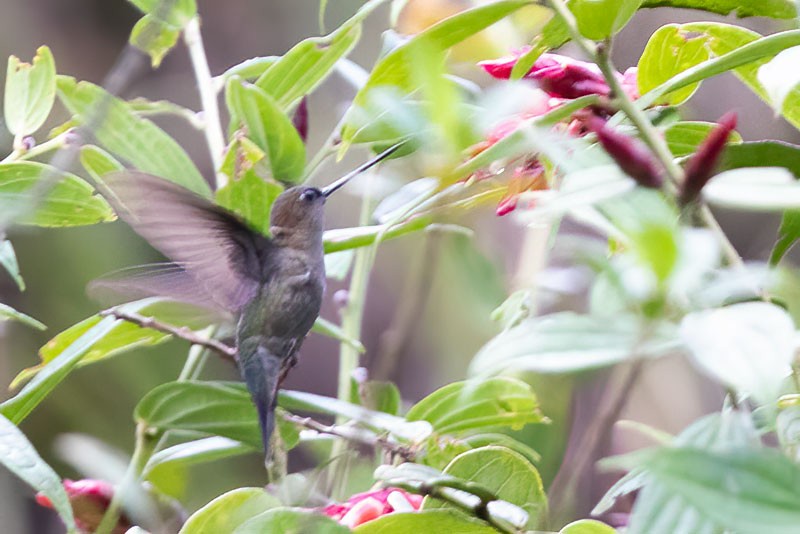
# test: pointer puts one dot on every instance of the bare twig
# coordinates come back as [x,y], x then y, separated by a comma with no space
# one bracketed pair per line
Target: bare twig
[182,332]
[354,435]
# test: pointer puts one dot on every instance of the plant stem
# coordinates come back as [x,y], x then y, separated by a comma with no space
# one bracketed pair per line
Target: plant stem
[599,53]
[208,97]
[50,145]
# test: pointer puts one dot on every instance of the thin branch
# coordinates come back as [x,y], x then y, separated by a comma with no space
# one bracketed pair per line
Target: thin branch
[182,332]
[354,435]
[208,97]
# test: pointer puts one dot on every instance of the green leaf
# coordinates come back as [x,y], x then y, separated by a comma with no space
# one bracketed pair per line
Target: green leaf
[154,37]
[747,491]
[327,328]
[670,51]
[779,9]
[504,472]
[133,139]
[250,69]
[30,92]
[70,201]
[174,12]
[309,62]
[19,406]
[215,408]
[748,346]
[269,128]
[195,452]
[7,312]
[779,77]
[587,526]
[98,162]
[600,19]
[754,188]
[478,404]
[252,198]
[8,259]
[291,521]
[122,336]
[567,343]
[227,512]
[395,69]
[684,137]
[18,456]
[428,521]
[377,395]
[337,264]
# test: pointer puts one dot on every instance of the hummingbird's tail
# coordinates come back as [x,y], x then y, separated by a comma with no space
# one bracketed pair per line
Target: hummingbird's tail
[261,371]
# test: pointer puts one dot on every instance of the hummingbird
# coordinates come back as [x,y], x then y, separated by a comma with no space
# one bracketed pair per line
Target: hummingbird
[272,285]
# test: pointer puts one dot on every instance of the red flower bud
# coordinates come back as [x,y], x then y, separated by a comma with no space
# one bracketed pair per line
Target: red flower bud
[631,156]
[300,119]
[701,166]
[89,499]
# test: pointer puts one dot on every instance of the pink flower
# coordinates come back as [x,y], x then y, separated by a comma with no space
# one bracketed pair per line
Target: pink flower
[528,177]
[89,499]
[365,507]
[562,76]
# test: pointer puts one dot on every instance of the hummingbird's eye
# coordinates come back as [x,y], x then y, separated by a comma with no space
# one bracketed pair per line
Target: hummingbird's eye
[310,194]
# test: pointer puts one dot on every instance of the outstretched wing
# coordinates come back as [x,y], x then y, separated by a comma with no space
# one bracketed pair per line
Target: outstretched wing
[215,247]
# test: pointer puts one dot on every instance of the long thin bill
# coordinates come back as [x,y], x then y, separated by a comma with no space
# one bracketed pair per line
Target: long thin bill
[362,168]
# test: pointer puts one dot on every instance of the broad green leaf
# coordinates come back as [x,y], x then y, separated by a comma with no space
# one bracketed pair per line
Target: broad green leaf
[309,62]
[30,92]
[7,312]
[395,68]
[587,526]
[428,521]
[779,76]
[291,521]
[269,128]
[251,197]
[214,408]
[600,19]
[98,162]
[8,259]
[504,472]
[174,12]
[478,404]
[195,452]
[754,188]
[778,9]
[70,201]
[18,456]
[748,346]
[133,139]
[19,406]
[122,336]
[669,52]
[684,137]
[734,48]
[567,343]
[746,491]
[377,395]
[154,37]
[227,512]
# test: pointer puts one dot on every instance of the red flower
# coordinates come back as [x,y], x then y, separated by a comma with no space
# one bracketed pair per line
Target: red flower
[631,156]
[562,76]
[702,165]
[89,499]
[365,507]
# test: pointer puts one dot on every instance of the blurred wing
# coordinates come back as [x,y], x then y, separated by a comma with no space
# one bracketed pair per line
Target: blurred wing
[152,280]
[217,249]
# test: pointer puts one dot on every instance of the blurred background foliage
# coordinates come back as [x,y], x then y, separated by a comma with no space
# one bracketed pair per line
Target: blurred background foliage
[430,295]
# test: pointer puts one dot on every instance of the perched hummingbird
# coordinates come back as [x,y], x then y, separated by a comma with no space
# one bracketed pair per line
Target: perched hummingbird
[273,286]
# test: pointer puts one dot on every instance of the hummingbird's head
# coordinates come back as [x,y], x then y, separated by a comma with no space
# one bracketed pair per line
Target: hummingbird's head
[299,208]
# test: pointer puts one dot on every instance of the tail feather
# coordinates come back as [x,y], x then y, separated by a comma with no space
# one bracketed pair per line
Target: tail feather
[261,371]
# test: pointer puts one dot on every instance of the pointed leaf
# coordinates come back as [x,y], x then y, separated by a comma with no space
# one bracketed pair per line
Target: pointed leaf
[7,312]
[133,139]
[8,259]
[98,162]
[251,197]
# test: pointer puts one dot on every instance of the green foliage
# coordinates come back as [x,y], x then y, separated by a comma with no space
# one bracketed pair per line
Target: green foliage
[669,52]
[428,521]
[227,512]
[251,197]
[30,92]
[684,137]
[598,20]
[18,456]
[69,202]
[8,259]
[157,32]
[291,521]
[7,312]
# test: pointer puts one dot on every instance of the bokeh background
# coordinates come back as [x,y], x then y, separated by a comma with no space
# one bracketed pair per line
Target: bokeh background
[429,298]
